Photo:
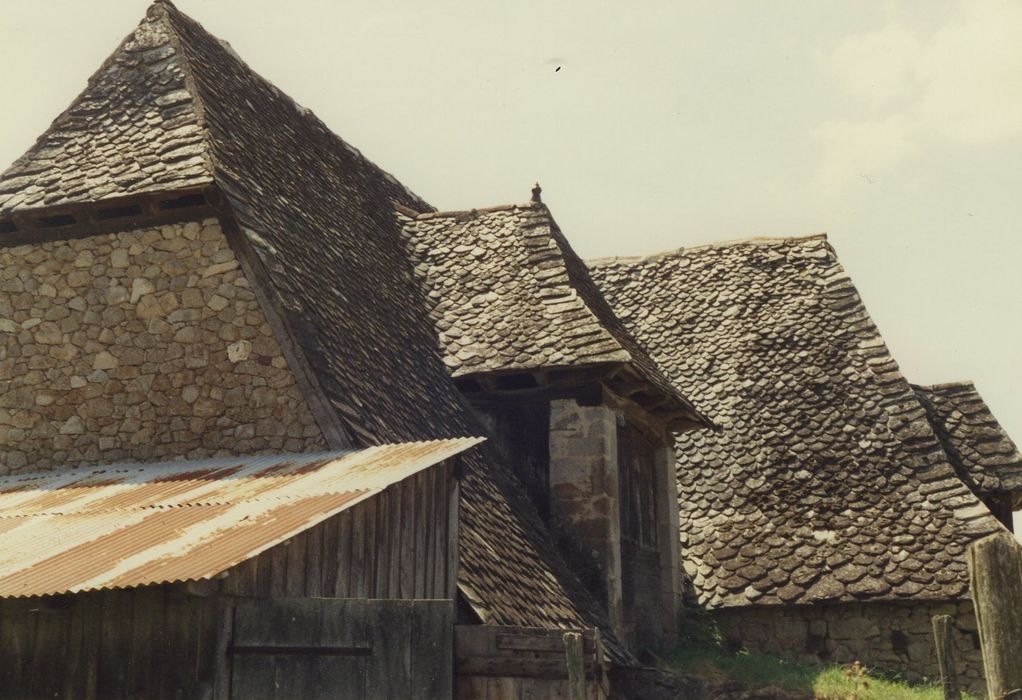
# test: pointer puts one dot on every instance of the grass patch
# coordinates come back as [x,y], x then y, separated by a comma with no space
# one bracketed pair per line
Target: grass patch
[701,653]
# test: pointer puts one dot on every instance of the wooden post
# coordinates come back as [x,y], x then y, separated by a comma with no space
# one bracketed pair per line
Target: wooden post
[576,666]
[995,578]
[946,657]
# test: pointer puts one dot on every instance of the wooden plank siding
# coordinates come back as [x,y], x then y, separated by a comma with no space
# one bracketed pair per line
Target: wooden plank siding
[395,545]
[168,641]
[519,663]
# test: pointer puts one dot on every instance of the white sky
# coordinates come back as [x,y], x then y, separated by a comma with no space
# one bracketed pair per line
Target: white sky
[895,127]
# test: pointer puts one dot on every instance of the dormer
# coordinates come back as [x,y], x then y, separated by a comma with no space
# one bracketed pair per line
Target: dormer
[584,414]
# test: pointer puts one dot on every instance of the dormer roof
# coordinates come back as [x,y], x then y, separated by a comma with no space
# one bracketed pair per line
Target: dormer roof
[509,296]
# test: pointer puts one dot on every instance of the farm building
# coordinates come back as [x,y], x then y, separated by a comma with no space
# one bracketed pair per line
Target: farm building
[272,426]
[194,267]
[830,516]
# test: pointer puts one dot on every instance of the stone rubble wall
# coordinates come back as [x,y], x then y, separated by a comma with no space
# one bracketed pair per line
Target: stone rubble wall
[896,636]
[144,345]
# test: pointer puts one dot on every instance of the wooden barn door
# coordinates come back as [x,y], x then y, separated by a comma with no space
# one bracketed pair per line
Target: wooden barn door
[320,648]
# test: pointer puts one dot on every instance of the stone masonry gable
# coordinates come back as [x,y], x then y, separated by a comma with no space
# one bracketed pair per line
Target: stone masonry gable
[826,482]
[142,345]
[135,128]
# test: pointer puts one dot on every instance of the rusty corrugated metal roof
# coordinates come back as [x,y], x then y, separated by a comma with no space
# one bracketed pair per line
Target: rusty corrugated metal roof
[136,524]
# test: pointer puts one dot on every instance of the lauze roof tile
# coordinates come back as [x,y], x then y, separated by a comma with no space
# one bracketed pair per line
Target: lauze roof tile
[826,482]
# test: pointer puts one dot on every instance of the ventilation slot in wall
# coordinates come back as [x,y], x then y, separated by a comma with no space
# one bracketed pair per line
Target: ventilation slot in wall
[184,202]
[119,212]
[56,221]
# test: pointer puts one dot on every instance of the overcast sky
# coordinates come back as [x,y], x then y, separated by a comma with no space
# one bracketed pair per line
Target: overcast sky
[895,127]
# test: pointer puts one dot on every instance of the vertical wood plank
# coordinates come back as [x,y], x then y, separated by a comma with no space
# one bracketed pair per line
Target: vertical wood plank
[278,570]
[328,560]
[381,544]
[222,666]
[421,521]
[359,580]
[397,543]
[431,642]
[406,527]
[576,666]
[314,561]
[344,553]
[391,662]
[946,657]
[453,503]
[295,551]
[75,658]
[370,548]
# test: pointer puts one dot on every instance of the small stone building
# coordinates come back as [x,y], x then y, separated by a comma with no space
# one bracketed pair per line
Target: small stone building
[830,516]
[583,413]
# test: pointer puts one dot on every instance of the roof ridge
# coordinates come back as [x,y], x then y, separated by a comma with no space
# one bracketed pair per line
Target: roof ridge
[461,213]
[706,247]
[962,384]
[162,9]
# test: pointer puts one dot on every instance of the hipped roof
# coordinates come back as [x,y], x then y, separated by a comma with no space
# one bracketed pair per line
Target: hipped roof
[320,218]
[827,482]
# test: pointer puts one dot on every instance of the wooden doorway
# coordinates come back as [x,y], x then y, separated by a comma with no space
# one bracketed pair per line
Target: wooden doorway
[319,648]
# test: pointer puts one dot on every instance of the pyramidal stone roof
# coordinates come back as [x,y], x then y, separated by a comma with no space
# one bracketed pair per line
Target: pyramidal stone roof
[136,128]
[984,456]
[508,293]
[178,108]
[826,482]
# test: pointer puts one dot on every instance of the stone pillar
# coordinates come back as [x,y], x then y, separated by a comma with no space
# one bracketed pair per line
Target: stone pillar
[584,491]
[668,536]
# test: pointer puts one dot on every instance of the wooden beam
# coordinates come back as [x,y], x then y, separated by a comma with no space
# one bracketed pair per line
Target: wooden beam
[88,219]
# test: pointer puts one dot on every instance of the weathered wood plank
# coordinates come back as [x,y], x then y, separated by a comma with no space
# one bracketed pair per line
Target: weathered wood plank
[222,667]
[328,559]
[398,542]
[406,545]
[946,657]
[295,579]
[995,575]
[314,561]
[382,543]
[357,572]
[389,670]
[431,639]
[575,662]
[423,519]
[344,553]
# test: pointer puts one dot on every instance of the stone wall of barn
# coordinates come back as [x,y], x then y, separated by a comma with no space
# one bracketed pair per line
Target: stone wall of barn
[897,636]
[142,345]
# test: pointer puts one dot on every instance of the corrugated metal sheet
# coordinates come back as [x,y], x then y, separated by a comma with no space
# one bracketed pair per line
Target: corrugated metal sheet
[136,524]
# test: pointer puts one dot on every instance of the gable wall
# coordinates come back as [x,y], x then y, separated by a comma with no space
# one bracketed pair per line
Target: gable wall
[142,345]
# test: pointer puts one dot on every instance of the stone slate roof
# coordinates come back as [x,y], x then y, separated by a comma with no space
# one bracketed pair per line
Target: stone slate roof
[321,217]
[826,482]
[508,293]
[984,456]
[134,129]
